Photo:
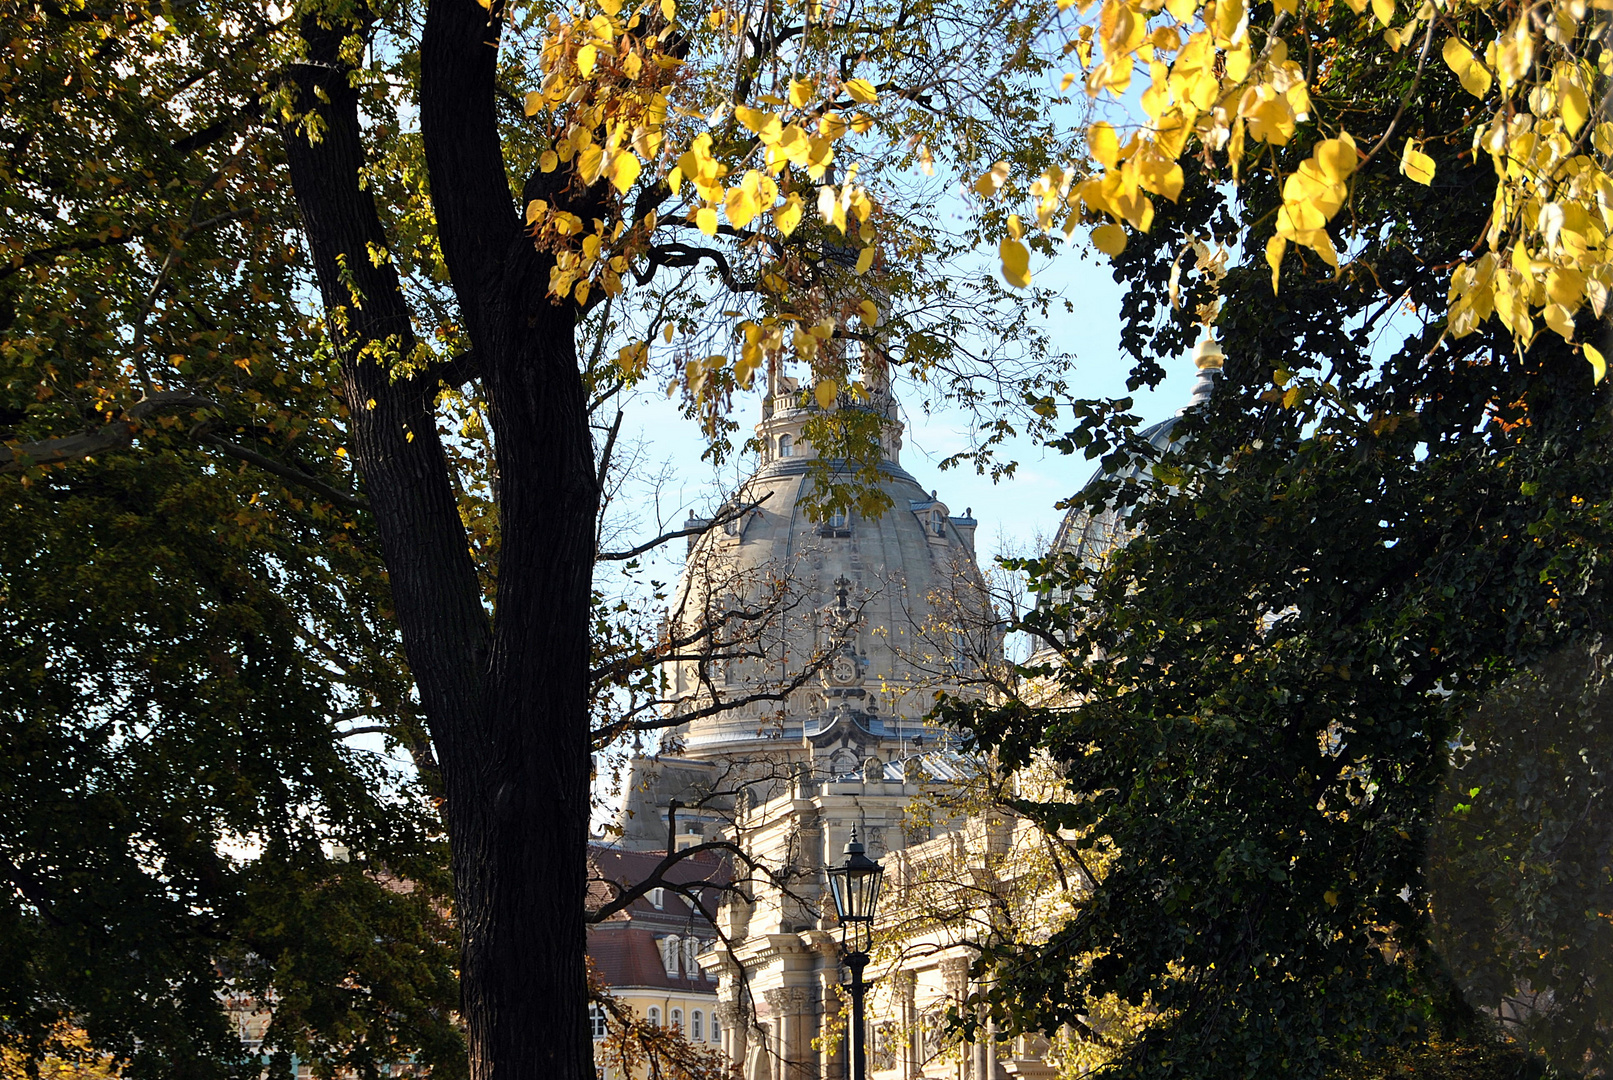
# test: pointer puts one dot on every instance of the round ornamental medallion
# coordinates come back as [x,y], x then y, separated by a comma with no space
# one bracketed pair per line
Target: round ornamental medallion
[843,669]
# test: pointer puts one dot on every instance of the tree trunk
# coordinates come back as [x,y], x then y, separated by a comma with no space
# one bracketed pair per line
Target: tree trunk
[507,704]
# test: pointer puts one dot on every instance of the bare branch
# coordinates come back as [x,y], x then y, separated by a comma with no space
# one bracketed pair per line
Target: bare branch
[695,530]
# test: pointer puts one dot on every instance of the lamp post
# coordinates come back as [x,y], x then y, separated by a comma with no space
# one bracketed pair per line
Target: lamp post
[854,884]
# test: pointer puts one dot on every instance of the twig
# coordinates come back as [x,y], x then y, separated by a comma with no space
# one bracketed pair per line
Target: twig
[1422,58]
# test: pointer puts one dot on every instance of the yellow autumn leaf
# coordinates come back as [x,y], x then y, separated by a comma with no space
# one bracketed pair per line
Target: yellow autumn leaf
[590,163]
[756,120]
[788,216]
[534,102]
[992,180]
[1104,144]
[1575,106]
[1064,83]
[741,205]
[800,92]
[1016,260]
[1416,165]
[549,161]
[1275,249]
[1336,157]
[536,209]
[633,359]
[1459,58]
[865,260]
[669,10]
[706,219]
[1558,318]
[825,392]
[585,60]
[1109,238]
[1016,228]
[1598,365]
[624,170]
[869,312]
[861,90]
[1384,10]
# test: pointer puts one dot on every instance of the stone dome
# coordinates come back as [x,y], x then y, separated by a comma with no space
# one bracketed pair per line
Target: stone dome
[836,631]
[1091,536]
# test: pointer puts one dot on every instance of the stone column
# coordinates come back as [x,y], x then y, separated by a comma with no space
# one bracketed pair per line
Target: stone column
[787,1004]
[955,973]
[831,1064]
[903,990]
[734,1025]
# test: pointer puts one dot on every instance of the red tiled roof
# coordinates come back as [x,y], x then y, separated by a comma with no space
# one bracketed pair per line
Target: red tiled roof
[628,868]
[629,956]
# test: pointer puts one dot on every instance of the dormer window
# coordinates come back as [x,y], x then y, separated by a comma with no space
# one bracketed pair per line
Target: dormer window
[786,446]
[671,954]
[835,523]
[938,524]
[657,898]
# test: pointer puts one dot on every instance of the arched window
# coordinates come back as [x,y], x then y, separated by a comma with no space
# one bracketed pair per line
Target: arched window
[654,1016]
[697,1025]
[837,519]
[596,1021]
[716,1029]
[677,1019]
[786,446]
[938,523]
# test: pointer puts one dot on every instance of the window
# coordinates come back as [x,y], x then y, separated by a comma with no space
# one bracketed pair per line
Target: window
[657,898]
[837,519]
[697,1025]
[937,523]
[677,1019]
[654,1016]
[786,446]
[671,954]
[596,1021]
[716,1029]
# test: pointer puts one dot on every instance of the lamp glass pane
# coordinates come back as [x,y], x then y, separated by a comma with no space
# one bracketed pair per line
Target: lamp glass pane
[875,879]
[837,888]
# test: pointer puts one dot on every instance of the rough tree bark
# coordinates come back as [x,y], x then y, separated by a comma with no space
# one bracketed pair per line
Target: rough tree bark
[507,698]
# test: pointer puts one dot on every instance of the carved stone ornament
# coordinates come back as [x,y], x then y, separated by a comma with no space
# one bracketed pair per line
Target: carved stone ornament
[843,669]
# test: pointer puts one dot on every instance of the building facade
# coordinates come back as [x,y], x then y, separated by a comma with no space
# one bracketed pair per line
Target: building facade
[811,724]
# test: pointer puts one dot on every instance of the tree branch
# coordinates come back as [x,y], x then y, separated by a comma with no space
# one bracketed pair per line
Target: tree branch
[694,530]
[476,218]
[286,472]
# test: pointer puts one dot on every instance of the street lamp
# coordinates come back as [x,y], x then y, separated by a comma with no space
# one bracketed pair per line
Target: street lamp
[854,884]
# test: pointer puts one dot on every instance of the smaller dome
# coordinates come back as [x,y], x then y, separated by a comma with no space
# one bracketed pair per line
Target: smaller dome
[1091,536]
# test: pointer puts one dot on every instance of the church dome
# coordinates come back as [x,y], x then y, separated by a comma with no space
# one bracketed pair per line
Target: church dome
[1091,536]
[834,631]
